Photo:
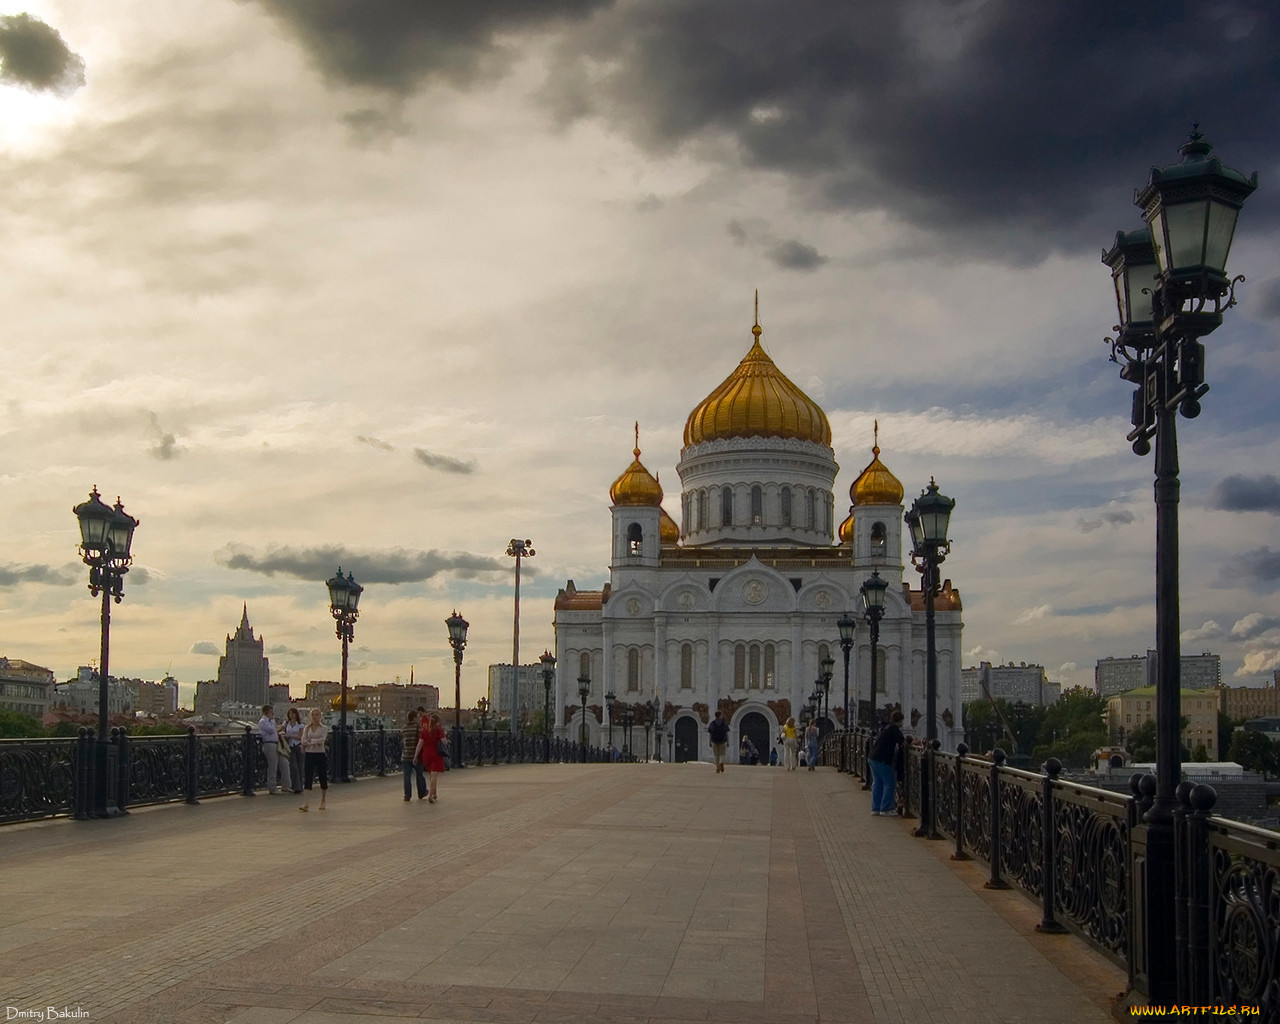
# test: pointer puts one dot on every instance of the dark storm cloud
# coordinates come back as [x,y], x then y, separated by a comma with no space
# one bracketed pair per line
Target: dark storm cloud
[374,442]
[1109,517]
[398,45]
[446,463]
[394,566]
[1260,568]
[34,56]
[166,444]
[1247,494]
[13,574]
[795,255]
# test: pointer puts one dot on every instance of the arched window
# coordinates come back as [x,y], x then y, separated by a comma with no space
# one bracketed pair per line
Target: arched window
[753,676]
[770,666]
[686,667]
[686,511]
[633,670]
[811,511]
[757,506]
[634,537]
[786,506]
[879,540]
[740,667]
[704,510]
[824,652]
[584,664]
[880,670]
[726,507]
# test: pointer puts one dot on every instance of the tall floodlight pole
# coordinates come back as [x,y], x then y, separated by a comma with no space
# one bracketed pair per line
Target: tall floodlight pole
[518,549]
[106,540]
[457,626]
[1172,288]
[344,601]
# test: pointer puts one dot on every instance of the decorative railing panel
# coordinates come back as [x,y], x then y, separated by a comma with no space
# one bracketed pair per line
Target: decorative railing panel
[1021,829]
[157,769]
[944,789]
[1091,891]
[912,767]
[975,796]
[37,778]
[221,765]
[1245,916]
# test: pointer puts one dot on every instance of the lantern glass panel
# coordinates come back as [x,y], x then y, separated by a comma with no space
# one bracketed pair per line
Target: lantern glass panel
[120,534]
[1218,234]
[1186,223]
[1157,241]
[1142,281]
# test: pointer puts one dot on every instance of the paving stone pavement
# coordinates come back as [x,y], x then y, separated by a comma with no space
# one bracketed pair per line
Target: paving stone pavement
[634,894]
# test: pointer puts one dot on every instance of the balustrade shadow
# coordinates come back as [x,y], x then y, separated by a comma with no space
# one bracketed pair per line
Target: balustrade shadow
[1080,852]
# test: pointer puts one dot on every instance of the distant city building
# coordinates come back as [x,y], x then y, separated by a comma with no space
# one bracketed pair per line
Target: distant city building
[244,673]
[529,690]
[151,698]
[1244,702]
[394,701]
[278,693]
[1025,683]
[82,694]
[25,688]
[1127,711]
[1269,725]
[1119,675]
[320,693]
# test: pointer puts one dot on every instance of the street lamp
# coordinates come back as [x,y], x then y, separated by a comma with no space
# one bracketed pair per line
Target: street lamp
[609,698]
[548,677]
[824,687]
[106,537]
[657,730]
[457,626]
[1172,288]
[344,602]
[847,627]
[584,688]
[482,705]
[927,520]
[518,549]
[872,591]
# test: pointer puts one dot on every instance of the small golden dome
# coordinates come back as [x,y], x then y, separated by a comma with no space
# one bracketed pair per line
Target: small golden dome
[636,486]
[757,400]
[336,703]
[846,529]
[668,531]
[875,484]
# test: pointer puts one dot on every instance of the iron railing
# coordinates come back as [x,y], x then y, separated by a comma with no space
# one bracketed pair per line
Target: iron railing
[42,778]
[1079,852]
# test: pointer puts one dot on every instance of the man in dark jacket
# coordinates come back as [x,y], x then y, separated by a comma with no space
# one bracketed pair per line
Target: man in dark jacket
[718,730]
[885,752]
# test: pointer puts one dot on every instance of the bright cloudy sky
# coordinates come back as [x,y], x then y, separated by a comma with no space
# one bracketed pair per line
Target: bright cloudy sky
[386,283]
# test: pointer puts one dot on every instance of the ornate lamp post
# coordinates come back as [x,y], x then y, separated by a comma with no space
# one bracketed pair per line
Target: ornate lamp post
[847,626]
[457,626]
[927,519]
[609,698]
[657,730]
[482,705]
[344,601]
[518,549]
[1172,288]
[106,537]
[828,664]
[872,593]
[584,688]
[548,677]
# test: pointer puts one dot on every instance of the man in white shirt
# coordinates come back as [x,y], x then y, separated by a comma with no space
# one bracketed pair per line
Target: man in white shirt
[270,736]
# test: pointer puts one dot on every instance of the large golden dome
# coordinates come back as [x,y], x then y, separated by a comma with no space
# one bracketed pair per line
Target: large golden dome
[757,400]
[875,484]
[636,486]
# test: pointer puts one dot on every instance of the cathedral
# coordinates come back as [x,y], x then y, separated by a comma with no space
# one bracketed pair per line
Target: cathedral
[735,607]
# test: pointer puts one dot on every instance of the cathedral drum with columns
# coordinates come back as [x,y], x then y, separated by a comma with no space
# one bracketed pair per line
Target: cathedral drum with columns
[735,608]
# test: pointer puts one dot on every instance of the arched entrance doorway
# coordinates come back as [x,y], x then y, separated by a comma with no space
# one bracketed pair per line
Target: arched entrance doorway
[686,733]
[825,725]
[755,727]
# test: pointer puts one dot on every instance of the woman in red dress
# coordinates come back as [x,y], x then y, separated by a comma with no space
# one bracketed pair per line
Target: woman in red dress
[429,745]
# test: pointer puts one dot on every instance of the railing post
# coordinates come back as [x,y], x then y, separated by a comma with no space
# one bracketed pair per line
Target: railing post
[120,738]
[959,854]
[1180,882]
[82,765]
[247,748]
[382,750]
[928,816]
[1201,801]
[193,766]
[1048,850]
[997,762]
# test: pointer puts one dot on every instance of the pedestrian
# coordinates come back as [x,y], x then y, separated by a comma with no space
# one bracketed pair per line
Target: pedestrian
[293,736]
[431,750]
[811,737]
[886,753]
[270,736]
[410,762]
[315,763]
[773,757]
[718,730]
[790,744]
